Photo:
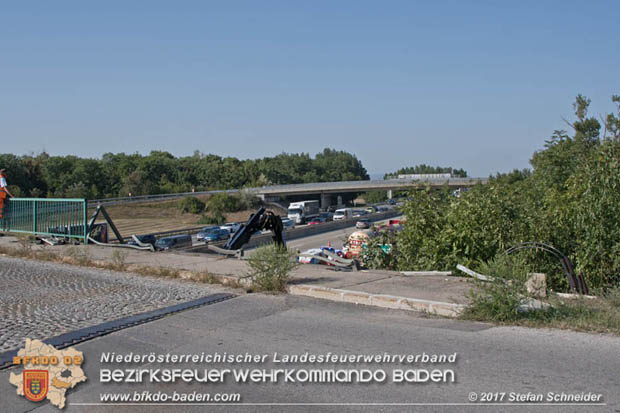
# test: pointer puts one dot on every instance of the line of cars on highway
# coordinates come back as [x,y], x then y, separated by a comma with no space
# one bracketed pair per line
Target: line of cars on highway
[207,234]
[215,233]
[348,213]
[212,233]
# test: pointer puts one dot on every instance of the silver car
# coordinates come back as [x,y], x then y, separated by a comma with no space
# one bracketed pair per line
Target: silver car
[232,227]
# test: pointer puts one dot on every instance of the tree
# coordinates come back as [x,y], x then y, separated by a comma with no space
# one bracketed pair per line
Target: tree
[426,169]
[594,192]
[587,130]
[161,172]
[135,184]
[612,121]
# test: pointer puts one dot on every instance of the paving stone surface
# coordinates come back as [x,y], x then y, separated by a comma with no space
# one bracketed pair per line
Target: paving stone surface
[41,300]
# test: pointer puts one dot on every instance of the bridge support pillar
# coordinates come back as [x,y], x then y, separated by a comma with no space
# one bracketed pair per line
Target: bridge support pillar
[326,200]
[389,194]
[339,200]
[268,198]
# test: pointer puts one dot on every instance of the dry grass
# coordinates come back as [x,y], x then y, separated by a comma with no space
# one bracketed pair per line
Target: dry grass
[145,218]
[148,218]
[119,258]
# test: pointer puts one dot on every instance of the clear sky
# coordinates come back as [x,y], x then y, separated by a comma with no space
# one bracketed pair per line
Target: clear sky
[477,85]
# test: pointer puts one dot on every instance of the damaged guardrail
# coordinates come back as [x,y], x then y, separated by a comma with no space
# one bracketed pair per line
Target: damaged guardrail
[334,260]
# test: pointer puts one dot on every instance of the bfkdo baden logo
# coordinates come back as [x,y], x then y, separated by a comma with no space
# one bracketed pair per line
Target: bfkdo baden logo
[36,383]
[48,373]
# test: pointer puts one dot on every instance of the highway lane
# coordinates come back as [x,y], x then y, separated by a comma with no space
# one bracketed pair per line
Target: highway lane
[336,238]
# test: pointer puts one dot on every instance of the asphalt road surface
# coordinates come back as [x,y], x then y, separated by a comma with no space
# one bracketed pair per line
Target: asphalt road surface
[489,360]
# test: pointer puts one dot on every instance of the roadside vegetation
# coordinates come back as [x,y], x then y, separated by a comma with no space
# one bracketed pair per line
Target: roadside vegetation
[600,314]
[502,301]
[212,212]
[270,267]
[569,200]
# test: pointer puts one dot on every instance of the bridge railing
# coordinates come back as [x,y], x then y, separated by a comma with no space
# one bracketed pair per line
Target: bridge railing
[61,217]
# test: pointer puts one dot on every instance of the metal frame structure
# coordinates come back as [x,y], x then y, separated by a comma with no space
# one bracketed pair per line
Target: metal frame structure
[55,217]
[91,223]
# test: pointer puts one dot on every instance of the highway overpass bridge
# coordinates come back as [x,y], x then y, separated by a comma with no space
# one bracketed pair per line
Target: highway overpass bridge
[328,192]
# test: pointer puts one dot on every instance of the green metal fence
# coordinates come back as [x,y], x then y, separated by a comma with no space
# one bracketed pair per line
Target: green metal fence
[46,216]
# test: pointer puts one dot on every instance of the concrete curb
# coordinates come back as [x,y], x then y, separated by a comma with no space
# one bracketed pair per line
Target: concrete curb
[423,273]
[378,300]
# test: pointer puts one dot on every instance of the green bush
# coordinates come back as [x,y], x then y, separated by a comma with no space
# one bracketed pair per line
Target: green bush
[214,219]
[248,200]
[381,251]
[594,194]
[570,201]
[270,267]
[420,244]
[192,205]
[223,202]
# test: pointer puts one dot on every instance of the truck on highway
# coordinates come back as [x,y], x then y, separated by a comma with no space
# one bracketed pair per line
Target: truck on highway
[301,212]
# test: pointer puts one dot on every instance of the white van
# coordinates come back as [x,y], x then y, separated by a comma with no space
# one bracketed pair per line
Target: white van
[343,213]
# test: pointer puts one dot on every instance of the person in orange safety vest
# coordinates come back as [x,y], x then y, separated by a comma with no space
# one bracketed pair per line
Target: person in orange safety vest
[4,190]
[3,185]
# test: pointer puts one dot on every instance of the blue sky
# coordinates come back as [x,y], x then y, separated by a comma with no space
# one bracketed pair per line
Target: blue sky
[477,85]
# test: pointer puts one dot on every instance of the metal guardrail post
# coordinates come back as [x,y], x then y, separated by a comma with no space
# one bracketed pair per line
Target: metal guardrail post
[34,216]
[84,220]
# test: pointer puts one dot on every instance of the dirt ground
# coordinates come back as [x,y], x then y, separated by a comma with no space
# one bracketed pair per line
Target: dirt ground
[146,218]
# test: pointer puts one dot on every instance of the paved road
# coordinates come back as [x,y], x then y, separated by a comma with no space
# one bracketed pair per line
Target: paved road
[489,359]
[42,300]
